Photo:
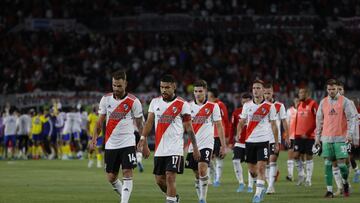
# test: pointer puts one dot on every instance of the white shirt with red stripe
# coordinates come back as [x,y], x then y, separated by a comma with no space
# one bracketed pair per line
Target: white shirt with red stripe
[280,114]
[120,114]
[203,117]
[169,129]
[261,131]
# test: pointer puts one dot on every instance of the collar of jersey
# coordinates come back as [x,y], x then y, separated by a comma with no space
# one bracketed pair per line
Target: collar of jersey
[201,104]
[170,100]
[123,97]
[260,102]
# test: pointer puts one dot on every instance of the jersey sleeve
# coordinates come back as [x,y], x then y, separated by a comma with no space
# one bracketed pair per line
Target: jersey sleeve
[282,113]
[102,106]
[243,114]
[186,109]
[272,113]
[137,109]
[151,106]
[216,113]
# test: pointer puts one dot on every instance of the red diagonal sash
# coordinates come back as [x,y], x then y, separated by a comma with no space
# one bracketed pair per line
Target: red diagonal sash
[277,107]
[117,115]
[204,113]
[258,115]
[166,119]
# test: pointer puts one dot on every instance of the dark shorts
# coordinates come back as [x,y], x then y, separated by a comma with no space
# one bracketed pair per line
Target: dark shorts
[137,137]
[272,149]
[168,163]
[303,146]
[37,137]
[193,164]
[126,157]
[255,152]
[355,152]
[217,145]
[23,141]
[8,139]
[239,153]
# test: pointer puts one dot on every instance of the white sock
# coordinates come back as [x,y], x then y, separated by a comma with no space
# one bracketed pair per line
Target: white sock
[238,170]
[219,167]
[197,188]
[251,180]
[267,173]
[139,157]
[300,168]
[260,186]
[329,188]
[203,187]
[290,166]
[304,167]
[170,199]
[117,186]
[272,173]
[126,190]
[337,177]
[309,169]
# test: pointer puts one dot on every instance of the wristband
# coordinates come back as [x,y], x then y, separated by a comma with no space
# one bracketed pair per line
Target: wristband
[142,137]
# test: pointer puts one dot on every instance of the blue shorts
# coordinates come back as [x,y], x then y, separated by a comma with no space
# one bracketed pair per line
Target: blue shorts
[55,135]
[66,137]
[99,141]
[9,138]
[37,137]
[76,136]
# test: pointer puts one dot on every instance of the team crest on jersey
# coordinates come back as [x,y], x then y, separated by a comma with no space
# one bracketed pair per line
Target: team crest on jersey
[263,110]
[174,109]
[207,111]
[126,107]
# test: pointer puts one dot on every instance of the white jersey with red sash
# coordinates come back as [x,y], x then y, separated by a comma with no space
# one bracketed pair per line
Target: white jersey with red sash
[258,118]
[169,129]
[203,118]
[280,114]
[120,114]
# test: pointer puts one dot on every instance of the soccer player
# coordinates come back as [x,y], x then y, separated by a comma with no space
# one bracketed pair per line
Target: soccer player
[205,115]
[10,132]
[219,160]
[92,120]
[71,132]
[353,151]
[260,116]
[37,122]
[334,127]
[120,109]
[291,116]
[305,124]
[239,147]
[280,119]
[171,115]
[23,127]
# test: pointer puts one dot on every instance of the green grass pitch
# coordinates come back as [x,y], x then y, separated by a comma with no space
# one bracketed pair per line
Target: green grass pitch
[72,181]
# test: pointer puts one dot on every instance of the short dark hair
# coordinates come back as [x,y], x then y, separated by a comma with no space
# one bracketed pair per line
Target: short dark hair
[214,91]
[332,82]
[268,85]
[200,83]
[246,95]
[119,74]
[167,78]
[341,84]
[258,81]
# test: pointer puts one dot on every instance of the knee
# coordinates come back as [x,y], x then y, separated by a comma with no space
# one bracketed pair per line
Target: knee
[111,177]
[127,173]
[160,181]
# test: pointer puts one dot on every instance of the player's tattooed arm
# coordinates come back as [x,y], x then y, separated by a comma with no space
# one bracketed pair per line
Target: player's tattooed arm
[97,131]
[139,124]
[190,131]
